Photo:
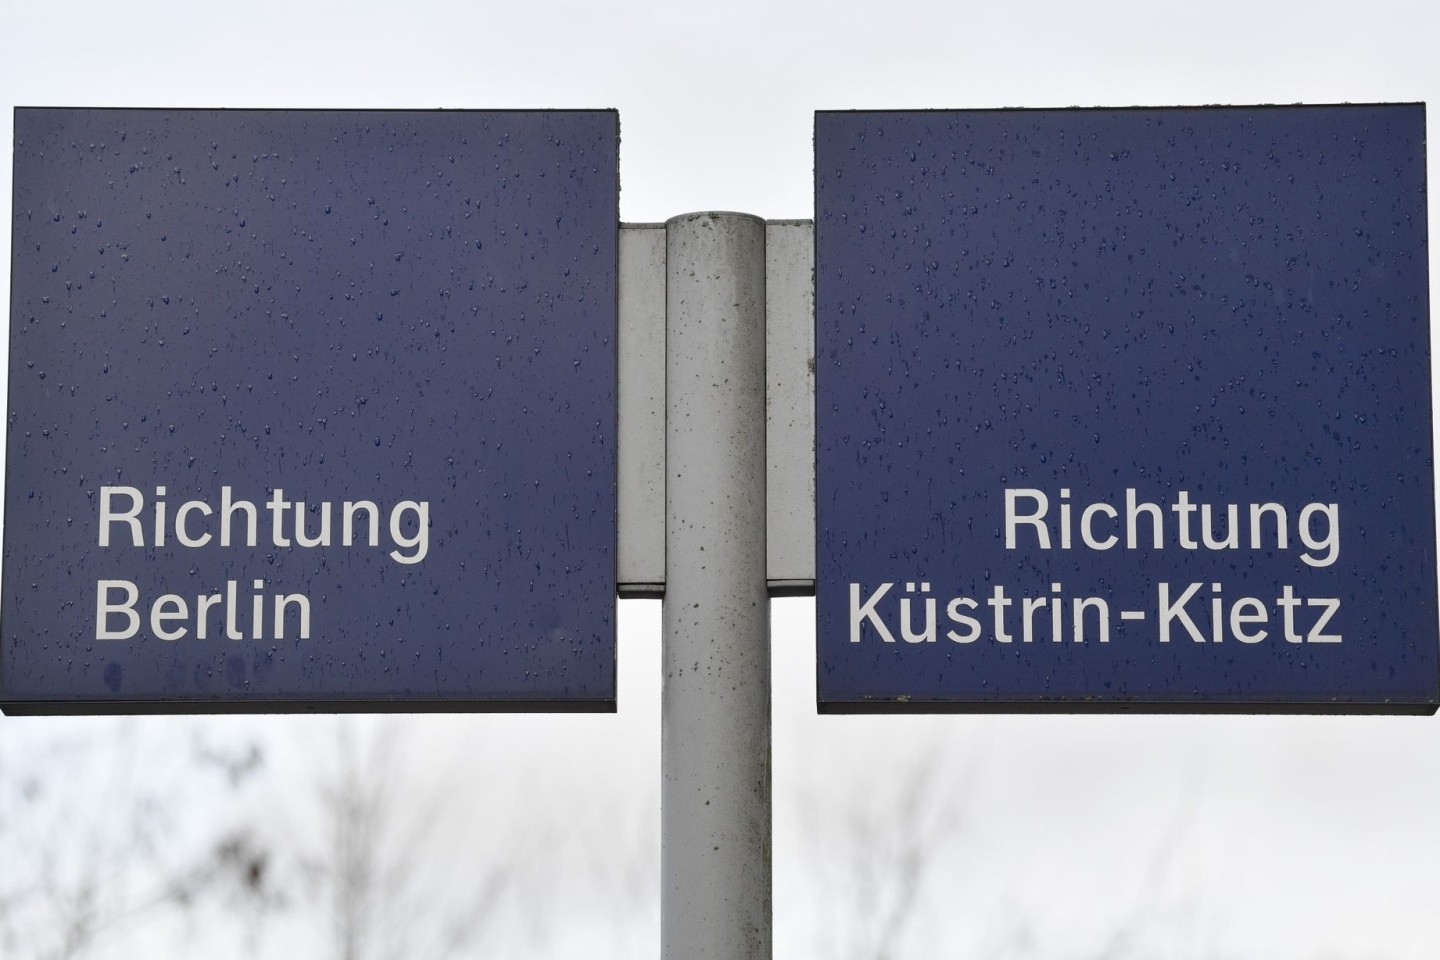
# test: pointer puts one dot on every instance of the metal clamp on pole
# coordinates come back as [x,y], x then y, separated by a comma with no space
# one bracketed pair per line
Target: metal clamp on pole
[715,740]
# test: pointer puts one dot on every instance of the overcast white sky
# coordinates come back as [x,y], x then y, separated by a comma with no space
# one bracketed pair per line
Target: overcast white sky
[1205,837]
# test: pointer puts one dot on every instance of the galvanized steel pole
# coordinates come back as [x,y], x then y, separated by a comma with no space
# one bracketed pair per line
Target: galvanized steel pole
[715,727]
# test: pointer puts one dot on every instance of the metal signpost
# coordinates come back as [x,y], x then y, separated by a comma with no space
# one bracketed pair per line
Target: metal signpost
[311,410]
[1116,409]
[1124,409]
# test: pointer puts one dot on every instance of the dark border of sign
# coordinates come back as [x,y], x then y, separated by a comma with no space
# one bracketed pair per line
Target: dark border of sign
[1245,707]
[93,708]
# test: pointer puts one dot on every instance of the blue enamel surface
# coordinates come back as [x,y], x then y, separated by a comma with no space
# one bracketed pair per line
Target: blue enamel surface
[1230,302]
[382,306]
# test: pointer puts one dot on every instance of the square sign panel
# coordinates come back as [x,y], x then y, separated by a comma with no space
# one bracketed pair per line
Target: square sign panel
[1124,409]
[311,410]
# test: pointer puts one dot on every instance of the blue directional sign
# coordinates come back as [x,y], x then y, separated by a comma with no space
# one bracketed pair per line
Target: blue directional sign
[311,410]
[1124,409]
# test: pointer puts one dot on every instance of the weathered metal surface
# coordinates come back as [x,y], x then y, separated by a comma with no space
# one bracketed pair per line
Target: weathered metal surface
[1047,338]
[641,549]
[790,405]
[715,702]
[296,310]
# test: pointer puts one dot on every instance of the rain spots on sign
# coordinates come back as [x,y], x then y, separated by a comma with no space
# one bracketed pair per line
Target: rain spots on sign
[303,318]
[1096,302]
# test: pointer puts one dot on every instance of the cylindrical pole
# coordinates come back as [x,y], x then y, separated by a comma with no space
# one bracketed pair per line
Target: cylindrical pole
[715,724]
